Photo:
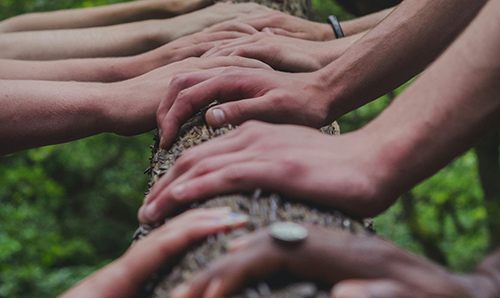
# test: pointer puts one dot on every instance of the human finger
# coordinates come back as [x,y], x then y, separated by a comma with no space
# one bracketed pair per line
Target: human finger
[233,61]
[200,154]
[178,83]
[150,253]
[188,95]
[230,273]
[123,277]
[284,32]
[270,108]
[230,178]
[378,288]
[232,25]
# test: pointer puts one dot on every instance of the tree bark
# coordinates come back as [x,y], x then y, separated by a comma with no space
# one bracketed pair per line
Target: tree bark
[263,209]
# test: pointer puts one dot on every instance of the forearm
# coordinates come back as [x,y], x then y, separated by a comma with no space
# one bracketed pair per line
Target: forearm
[38,113]
[98,16]
[80,70]
[446,110]
[365,23]
[119,40]
[400,47]
[488,272]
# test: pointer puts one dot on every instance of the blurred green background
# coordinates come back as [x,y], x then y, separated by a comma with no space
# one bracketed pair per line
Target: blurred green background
[69,209]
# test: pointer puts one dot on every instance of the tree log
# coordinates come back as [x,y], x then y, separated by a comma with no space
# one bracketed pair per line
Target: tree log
[263,209]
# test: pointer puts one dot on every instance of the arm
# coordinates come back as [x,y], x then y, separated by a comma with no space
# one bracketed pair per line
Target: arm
[287,25]
[285,53]
[389,55]
[437,118]
[364,23]
[100,16]
[124,277]
[357,266]
[38,113]
[118,40]
[114,68]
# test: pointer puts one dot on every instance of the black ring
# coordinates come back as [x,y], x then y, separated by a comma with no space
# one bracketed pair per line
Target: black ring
[336,26]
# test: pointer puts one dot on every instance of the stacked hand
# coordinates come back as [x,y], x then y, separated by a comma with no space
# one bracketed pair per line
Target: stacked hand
[358,266]
[280,52]
[123,277]
[135,101]
[246,94]
[296,161]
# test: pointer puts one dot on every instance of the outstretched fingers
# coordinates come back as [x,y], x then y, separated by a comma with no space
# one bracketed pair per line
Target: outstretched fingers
[222,176]
[229,274]
[189,93]
[378,288]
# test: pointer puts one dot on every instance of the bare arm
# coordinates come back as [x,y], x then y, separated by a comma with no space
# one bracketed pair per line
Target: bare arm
[100,16]
[400,47]
[38,113]
[113,69]
[364,23]
[437,118]
[389,55]
[118,40]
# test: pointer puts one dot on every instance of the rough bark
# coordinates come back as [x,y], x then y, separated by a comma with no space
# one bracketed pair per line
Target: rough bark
[263,209]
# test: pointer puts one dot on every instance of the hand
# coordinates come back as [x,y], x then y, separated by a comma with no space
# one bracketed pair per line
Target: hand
[193,45]
[342,171]
[123,277]
[256,94]
[283,24]
[132,104]
[178,7]
[362,266]
[280,52]
[204,18]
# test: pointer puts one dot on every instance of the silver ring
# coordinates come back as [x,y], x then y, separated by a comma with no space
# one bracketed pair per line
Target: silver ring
[288,232]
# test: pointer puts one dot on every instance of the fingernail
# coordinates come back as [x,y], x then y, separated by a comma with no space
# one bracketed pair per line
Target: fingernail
[149,212]
[237,244]
[219,116]
[350,291]
[231,219]
[147,199]
[181,291]
[213,289]
[178,191]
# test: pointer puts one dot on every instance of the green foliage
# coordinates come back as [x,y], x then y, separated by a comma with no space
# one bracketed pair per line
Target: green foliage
[67,210]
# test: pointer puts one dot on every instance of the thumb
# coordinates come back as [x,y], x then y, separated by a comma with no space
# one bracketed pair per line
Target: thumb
[237,112]
[372,289]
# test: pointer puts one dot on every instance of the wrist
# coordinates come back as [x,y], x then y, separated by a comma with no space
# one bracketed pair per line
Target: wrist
[327,31]
[130,106]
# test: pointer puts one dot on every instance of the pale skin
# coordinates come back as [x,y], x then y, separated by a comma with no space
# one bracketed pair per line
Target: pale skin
[124,276]
[101,16]
[389,55]
[114,69]
[38,113]
[117,40]
[285,53]
[296,45]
